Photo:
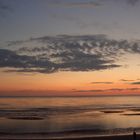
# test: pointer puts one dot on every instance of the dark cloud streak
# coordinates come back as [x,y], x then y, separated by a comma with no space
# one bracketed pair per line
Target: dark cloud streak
[132,2]
[101,82]
[126,80]
[108,90]
[136,83]
[85,4]
[5,9]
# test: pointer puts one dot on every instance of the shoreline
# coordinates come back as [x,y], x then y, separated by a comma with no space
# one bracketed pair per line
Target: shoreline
[45,137]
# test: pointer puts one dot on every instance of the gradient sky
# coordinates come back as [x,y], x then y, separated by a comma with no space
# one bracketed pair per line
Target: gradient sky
[69,47]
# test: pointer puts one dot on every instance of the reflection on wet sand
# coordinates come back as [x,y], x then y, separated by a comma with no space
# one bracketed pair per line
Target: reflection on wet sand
[73,116]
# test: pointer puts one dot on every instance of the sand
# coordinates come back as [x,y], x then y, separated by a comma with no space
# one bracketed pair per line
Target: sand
[122,137]
[35,137]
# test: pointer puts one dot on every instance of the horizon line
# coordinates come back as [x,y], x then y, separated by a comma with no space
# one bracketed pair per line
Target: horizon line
[6,96]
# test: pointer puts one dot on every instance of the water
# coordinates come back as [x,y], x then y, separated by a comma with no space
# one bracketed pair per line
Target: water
[107,115]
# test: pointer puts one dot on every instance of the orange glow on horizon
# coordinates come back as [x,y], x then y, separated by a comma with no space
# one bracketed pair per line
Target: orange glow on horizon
[68,83]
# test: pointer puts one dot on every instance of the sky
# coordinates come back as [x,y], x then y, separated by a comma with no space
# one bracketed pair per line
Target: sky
[69,47]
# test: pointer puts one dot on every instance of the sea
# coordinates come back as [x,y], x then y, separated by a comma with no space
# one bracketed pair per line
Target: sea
[57,117]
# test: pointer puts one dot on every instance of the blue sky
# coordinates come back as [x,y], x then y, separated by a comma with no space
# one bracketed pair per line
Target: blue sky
[23,19]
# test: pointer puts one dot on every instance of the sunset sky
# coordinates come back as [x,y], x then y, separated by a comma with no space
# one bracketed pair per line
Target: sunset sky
[69,47]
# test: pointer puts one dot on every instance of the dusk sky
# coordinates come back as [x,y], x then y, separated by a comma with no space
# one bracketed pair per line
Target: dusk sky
[69,47]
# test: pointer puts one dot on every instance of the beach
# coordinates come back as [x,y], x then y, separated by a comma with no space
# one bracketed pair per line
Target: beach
[70,118]
[121,137]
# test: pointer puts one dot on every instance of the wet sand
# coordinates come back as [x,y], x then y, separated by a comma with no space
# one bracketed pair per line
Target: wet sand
[45,137]
[122,137]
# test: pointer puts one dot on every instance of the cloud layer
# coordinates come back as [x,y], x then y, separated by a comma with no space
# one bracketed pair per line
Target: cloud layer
[109,90]
[50,54]
[76,4]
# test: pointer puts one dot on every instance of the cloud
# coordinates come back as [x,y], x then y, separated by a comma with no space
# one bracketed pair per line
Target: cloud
[132,2]
[78,61]
[101,82]
[4,9]
[50,54]
[133,88]
[136,83]
[24,63]
[76,4]
[126,80]
[98,90]
[108,90]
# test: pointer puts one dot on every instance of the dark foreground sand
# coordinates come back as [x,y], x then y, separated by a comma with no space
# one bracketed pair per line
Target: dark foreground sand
[33,137]
[124,137]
